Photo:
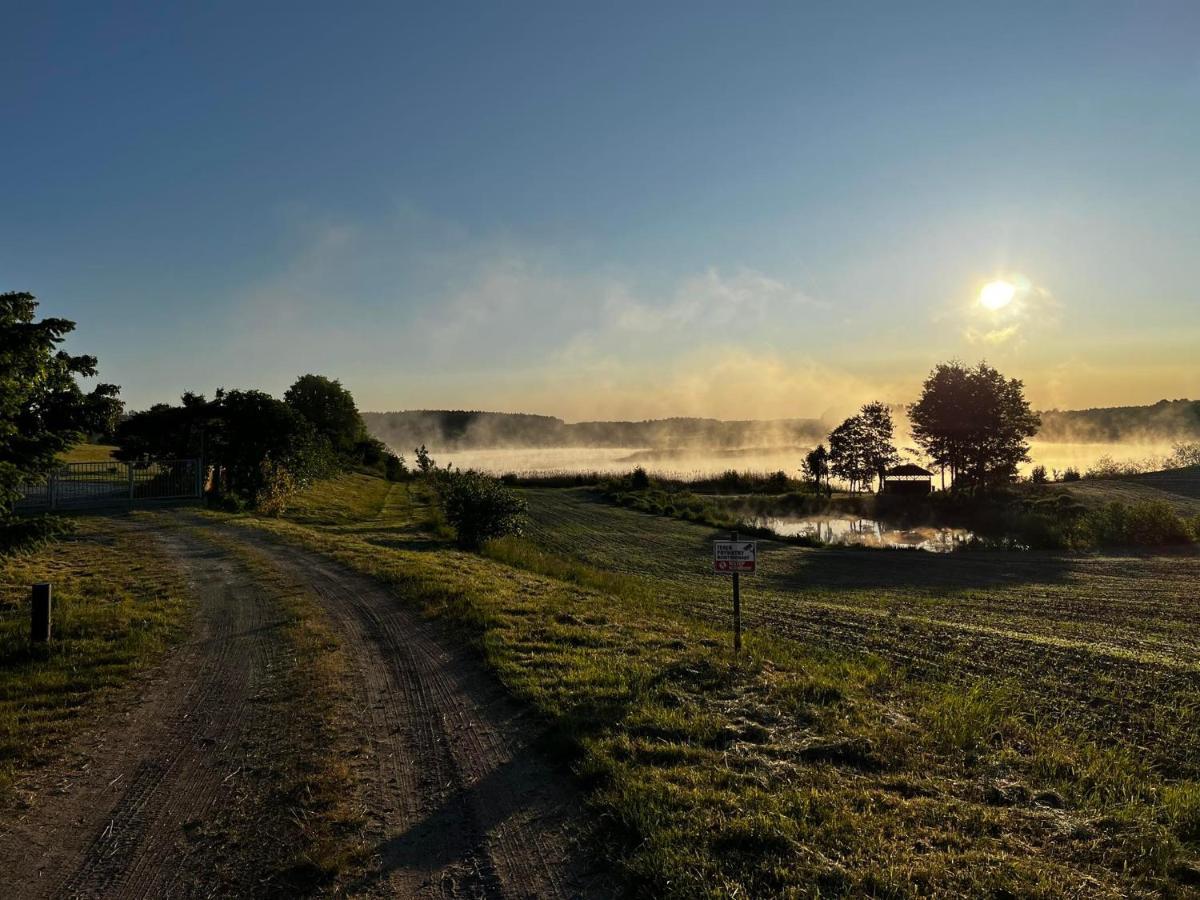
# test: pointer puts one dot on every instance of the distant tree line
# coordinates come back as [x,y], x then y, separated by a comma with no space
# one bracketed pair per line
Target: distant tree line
[1166,420]
[460,429]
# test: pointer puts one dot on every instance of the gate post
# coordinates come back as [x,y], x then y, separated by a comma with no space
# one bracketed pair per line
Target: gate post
[52,490]
[129,467]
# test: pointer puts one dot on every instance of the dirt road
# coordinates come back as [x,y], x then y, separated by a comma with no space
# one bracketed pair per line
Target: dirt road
[163,798]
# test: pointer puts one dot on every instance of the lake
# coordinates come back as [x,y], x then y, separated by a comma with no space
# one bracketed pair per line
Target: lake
[837,529]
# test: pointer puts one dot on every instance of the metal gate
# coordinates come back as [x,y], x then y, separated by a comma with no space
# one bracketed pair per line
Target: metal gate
[92,484]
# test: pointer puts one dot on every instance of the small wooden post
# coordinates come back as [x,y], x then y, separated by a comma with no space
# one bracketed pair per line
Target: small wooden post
[130,467]
[737,608]
[39,616]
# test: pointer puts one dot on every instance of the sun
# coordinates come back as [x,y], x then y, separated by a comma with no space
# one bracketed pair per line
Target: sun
[997,294]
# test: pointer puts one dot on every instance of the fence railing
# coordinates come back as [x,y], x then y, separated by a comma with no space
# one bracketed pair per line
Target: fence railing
[90,484]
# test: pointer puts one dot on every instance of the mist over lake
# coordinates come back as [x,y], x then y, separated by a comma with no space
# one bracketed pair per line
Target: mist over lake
[697,461]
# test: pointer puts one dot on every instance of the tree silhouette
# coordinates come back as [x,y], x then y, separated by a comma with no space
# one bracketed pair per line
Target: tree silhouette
[43,411]
[861,448]
[975,422]
[816,465]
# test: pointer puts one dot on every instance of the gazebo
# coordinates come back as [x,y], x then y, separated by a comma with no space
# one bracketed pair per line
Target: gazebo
[908,479]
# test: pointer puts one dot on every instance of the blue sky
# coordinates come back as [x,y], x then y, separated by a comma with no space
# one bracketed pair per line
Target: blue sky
[601,209]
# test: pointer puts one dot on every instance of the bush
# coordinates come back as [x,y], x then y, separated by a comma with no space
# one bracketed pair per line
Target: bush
[1070,474]
[1148,524]
[278,486]
[1038,475]
[479,508]
[638,479]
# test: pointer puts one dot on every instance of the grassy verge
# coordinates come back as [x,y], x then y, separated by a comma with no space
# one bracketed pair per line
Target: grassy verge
[118,602]
[790,771]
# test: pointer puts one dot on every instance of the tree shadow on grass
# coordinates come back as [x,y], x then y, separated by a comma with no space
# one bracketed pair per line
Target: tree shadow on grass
[789,568]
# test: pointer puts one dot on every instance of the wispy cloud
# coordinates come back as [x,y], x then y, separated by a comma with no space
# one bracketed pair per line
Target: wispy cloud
[1033,310]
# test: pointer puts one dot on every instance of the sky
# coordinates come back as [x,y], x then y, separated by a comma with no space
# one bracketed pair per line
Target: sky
[610,210]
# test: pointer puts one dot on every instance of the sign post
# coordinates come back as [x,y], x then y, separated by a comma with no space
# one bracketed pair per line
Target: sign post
[735,557]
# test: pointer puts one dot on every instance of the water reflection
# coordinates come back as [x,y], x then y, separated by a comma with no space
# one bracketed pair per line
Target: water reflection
[868,532]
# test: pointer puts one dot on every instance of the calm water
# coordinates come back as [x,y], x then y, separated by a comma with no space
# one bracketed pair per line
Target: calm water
[868,532]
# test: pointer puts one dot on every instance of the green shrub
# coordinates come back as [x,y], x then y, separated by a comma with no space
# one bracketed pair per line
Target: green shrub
[1152,523]
[478,507]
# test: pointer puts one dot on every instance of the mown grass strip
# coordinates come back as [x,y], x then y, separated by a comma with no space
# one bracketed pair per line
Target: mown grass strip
[118,604]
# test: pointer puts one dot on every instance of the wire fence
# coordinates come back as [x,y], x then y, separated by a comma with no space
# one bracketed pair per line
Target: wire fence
[95,484]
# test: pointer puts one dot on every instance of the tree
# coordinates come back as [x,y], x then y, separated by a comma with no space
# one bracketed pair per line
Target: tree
[170,432]
[331,410]
[261,448]
[425,462]
[975,422]
[847,456]
[878,436]
[260,434]
[861,448]
[43,410]
[816,465]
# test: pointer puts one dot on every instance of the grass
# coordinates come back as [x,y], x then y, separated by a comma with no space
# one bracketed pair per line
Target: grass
[810,766]
[118,603]
[89,453]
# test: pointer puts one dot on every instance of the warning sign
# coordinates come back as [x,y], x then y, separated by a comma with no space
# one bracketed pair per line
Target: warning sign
[734,556]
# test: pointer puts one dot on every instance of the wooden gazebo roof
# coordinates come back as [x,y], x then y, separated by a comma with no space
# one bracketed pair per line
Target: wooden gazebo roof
[909,470]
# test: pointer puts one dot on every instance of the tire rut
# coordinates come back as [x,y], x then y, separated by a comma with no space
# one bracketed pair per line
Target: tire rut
[120,818]
[459,804]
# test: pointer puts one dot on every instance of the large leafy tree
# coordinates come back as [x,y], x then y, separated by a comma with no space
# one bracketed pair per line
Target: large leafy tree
[331,410]
[847,453]
[861,448]
[43,410]
[879,439]
[259,433]
[974,422]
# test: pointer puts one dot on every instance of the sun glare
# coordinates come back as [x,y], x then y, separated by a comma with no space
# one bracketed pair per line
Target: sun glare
[996,294]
